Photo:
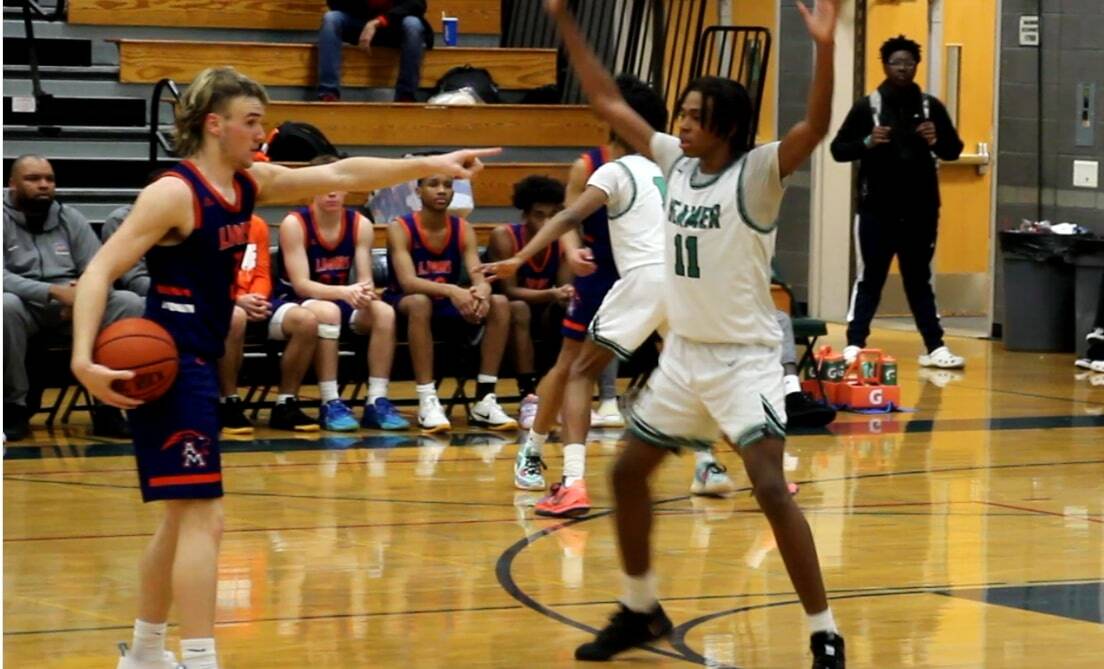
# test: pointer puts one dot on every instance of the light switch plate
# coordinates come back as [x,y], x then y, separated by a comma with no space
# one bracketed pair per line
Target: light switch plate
[1029,30]
[1086,173]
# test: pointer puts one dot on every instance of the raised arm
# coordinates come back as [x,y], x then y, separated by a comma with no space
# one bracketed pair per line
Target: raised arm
[362,173]
[601,90]
[803,138]
[163,210]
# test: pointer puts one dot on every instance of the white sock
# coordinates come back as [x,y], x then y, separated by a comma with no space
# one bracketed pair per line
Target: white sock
[149,641]
[534,443]
[791,384]
[328,389]
[226,398]
[822,622]
[377,388]
[198,654]
[574,463]
[425,391]
[281,399]
[703,457]
[640,592]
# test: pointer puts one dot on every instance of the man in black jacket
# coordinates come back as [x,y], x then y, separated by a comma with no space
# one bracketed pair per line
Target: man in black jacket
[397,24]
[896,133]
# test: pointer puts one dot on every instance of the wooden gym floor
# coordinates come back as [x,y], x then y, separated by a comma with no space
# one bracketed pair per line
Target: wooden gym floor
[967,534]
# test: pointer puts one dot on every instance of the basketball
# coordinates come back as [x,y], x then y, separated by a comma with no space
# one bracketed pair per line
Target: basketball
[143,347]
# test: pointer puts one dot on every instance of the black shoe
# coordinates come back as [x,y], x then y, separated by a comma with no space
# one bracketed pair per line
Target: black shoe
[626,629]
[827,650]
[17,422]
[288,416]
[803,411]
[232,417]
[109,422]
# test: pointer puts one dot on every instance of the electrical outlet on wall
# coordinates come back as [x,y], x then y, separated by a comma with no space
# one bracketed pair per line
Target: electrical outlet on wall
[1085,173]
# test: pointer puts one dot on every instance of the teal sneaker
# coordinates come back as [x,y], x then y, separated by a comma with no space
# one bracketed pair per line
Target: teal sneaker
[382,415]
[529,471]
[336,417]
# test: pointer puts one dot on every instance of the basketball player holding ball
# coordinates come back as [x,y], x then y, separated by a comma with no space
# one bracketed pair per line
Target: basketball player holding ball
[189,225]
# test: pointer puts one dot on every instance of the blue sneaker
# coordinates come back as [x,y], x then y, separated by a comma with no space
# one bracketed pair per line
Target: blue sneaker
[382,415]
[529,471]
[336,417]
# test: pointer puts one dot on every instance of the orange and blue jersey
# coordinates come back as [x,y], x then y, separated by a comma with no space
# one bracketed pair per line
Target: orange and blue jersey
[191,282]
[539,272]
[329,263]
[443,264]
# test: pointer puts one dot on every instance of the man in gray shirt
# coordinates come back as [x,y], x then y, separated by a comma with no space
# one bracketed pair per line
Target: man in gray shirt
[46,248]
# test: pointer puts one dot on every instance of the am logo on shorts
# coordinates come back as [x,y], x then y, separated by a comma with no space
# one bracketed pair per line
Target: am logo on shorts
[194,447]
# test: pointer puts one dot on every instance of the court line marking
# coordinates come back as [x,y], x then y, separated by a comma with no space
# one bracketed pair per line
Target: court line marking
[504,564]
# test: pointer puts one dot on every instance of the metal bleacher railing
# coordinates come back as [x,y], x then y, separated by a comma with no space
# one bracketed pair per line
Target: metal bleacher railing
[32,10]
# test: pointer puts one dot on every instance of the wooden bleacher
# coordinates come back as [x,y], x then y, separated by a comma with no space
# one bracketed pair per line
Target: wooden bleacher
[271,64]
[477,17]
[382,124]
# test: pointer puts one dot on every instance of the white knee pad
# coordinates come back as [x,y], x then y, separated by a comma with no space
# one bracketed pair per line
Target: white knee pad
[326,331]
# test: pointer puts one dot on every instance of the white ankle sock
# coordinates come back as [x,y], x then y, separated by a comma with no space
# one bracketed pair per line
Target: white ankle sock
[377,388]
[640,592]
[328,390]
[822,622]
[574,463]
[791,384]
[703,457]
[281,399]
[425,391]
[534,443]
[198,654]
[149,641]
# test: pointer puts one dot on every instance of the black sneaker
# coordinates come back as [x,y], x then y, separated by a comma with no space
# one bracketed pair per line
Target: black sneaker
[288,416]
[626,629]
[232,417]
[827,650]
[109,422]
[804,411]
[17,422]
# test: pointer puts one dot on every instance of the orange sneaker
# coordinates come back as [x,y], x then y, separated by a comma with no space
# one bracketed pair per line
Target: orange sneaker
[565,501]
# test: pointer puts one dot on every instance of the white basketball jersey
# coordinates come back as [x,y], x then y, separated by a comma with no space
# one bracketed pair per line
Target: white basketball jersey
[719,245]
[633,185]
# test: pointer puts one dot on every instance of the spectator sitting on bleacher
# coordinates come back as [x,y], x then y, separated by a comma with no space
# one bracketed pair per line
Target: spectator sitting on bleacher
[397,24]
[46,248]
[427,251]
[541,290]
[252,308]
[321,245]
[136,279]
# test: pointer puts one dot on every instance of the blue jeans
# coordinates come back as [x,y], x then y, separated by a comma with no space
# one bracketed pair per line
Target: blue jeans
[339,27]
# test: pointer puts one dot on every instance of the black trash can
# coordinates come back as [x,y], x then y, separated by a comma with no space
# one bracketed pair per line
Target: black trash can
[1038,292]
[1087,257]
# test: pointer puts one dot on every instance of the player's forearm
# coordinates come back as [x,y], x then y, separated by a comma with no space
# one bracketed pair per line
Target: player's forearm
[818,114]
[318,291]
[560,224]
[530,295]
[419,286]
[88,310]
[365,173]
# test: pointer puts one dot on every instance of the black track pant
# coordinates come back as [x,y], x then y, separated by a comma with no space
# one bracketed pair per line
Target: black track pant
[879,237]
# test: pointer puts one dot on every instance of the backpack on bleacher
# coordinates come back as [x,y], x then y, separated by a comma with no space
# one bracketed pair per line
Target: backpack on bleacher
[298,142]
[465,76]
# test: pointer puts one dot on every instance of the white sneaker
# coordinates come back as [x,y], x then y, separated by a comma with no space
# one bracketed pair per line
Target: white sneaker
[489,414]
[1097,366]
[431,417]
[943,359]
[850,354]
[168,661]
[608,415]
[527,411]
[711,479]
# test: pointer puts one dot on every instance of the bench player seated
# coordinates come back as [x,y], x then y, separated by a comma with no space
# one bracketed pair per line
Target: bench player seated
[320,246]
[253,310]
[426,252]
[540,291]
